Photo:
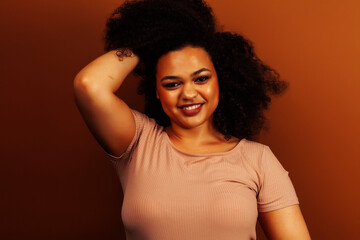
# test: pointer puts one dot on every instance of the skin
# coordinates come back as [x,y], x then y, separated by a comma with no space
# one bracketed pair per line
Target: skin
[112,123]
[108,117]
[285,224]
[187,77]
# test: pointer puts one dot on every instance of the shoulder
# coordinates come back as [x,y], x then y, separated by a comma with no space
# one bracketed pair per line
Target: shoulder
[259,155]
[252,146]
[147,132]
[251,150]
[143,121]
[141,118]
[146,127]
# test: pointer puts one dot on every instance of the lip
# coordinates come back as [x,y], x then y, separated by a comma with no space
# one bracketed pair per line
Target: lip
[193,110]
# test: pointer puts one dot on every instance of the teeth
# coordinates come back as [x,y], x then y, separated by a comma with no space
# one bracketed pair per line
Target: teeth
[192,107]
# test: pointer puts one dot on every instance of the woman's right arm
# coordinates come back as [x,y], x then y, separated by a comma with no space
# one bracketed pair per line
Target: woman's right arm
[108,118]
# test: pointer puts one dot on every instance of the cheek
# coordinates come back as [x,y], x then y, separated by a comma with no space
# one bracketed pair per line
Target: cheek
[164,94]
[213,91]
[168,98]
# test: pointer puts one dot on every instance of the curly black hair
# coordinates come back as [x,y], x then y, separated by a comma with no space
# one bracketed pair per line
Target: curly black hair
[152,28]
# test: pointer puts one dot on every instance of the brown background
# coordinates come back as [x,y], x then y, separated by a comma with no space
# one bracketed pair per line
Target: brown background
[55,182]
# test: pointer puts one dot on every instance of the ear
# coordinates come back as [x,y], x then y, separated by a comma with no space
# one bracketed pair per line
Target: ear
[157,95]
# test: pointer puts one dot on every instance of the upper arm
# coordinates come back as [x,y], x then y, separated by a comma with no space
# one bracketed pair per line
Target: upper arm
[108,118]
[284,224]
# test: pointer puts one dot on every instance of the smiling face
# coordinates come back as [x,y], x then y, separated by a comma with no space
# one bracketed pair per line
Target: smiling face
[187,87]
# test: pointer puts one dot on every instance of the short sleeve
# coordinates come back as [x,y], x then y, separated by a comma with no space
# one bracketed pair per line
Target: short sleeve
[139,125]
[276,189]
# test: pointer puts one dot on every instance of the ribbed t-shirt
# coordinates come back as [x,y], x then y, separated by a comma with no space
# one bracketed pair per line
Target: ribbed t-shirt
[170,194]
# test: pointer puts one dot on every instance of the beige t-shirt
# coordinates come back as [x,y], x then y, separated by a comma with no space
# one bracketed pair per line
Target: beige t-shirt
[170,194]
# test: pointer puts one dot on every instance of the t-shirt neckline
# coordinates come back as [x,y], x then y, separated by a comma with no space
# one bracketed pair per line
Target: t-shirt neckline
[200,154]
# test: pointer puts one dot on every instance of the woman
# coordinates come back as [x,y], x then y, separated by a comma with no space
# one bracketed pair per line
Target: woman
[186,167]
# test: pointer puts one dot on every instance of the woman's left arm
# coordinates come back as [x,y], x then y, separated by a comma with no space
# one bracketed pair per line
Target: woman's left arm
[284,224]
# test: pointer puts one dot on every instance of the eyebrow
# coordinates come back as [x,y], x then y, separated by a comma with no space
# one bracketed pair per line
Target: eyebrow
[193,74]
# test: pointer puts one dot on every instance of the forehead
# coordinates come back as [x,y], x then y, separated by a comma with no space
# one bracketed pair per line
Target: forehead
[183,62]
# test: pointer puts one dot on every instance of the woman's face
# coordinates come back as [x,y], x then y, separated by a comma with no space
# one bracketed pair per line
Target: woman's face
[187,86]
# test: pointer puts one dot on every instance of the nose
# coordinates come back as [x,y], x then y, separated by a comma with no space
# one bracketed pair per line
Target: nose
[189,91]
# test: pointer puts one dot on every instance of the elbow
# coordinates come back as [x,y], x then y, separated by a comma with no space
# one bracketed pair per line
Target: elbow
[89,85]
[82,85]
[81,81]
[80,89]
[83,90]
[86,90]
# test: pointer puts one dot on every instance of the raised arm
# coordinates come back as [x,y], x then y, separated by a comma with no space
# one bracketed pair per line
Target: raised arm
[108,118]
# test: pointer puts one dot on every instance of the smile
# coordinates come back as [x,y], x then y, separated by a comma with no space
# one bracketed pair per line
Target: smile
[192,107]
[191,110]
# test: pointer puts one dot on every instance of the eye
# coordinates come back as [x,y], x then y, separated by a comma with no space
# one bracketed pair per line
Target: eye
[202,79]
[171,85]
